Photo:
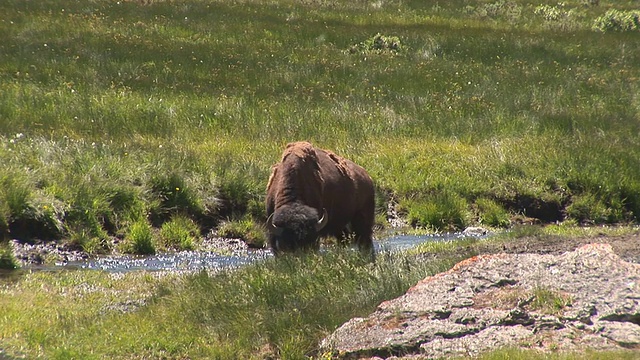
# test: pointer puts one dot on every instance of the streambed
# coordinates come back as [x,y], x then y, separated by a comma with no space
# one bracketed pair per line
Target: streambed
[216,260]
[215,254]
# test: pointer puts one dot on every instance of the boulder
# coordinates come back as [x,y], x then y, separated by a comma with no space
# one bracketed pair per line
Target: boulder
[587,298]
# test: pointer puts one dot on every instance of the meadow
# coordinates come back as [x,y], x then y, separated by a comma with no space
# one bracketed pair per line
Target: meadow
[155,121]
[115,114]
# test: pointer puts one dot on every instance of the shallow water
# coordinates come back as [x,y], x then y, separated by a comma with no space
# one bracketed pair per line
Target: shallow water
[199,260]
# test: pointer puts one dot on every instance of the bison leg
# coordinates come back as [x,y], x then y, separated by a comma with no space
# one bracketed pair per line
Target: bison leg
[363,228]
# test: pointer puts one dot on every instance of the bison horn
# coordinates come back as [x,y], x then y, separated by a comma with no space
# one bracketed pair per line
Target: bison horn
[276,230]
[323,220]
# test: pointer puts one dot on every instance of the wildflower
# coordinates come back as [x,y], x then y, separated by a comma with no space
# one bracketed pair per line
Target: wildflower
[177,189]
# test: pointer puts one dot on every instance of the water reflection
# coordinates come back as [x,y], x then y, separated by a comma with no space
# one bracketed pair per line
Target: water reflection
[180,261]
[199,260]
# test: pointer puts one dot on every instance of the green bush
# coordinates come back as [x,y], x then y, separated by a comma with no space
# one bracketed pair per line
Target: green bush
[550,13]
[89,212]
[500,8]
[618,20]
[126,203]
[139,239]
[379,44]
[5,215]
[557,17]
[180,233]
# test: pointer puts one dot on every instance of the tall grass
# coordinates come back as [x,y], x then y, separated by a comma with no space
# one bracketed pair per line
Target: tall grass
[531,106]
[275,309]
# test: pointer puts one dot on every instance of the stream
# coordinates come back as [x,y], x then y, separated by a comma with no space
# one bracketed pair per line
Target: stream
[210,260]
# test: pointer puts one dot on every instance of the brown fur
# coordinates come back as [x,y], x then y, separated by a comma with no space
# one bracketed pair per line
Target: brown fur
[308,181]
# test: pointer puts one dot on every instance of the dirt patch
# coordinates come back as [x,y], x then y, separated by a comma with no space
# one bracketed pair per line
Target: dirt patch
[625,246]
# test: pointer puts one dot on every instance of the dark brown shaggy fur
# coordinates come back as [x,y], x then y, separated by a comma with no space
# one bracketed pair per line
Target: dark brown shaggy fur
[307,182]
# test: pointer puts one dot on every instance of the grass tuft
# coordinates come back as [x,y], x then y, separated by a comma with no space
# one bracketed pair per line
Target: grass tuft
[180,233]
[139,239]
[246,229]
[442,211]
[7,260]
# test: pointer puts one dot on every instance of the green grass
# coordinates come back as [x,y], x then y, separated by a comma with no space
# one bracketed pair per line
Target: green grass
[117,117]
[181,233]
[272,309]
[276,308]
[107,108]
[520,354]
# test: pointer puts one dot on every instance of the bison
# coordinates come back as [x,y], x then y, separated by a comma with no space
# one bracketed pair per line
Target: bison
[314,193]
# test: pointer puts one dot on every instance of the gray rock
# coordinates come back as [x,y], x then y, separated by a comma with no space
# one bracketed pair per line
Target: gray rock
[587,298]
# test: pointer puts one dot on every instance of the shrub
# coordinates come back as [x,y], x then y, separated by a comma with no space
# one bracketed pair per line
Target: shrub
[179,233]
[379,44]
[235,195]
[139,239]
[557,17]
[5,214]
[618,20]
[508,9]
[127,205]
[550,13]
[90,212]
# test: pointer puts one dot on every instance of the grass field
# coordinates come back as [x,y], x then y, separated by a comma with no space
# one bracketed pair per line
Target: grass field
[139,119]
[113,113]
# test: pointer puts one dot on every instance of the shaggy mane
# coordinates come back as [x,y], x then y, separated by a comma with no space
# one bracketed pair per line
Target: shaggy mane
[300,149]
[341,163]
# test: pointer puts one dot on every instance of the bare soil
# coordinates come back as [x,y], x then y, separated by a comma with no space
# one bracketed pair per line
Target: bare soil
[626,246]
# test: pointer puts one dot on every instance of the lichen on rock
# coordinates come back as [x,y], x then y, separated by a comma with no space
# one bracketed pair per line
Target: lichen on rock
[587,298]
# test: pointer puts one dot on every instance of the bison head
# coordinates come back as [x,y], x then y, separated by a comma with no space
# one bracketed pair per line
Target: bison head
[295,227]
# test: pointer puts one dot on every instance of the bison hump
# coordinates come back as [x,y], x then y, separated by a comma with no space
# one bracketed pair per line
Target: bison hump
[340,163]
[300,149]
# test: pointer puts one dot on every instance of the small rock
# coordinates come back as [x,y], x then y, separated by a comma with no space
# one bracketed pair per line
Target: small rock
[475,231]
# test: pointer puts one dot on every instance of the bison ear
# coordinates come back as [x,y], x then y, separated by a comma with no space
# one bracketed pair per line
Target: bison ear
[272,227]
[323,220]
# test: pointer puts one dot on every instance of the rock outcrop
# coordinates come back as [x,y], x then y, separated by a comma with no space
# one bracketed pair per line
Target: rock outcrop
[587,298]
